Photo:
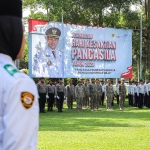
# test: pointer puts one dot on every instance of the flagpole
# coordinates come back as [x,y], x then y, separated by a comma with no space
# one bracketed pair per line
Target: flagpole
[62,20]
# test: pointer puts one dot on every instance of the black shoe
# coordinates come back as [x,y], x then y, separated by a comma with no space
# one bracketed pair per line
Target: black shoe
[42,112]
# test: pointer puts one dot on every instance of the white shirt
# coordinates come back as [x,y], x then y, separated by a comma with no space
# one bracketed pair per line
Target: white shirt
[46,65]
[148,86]
[146,89]
[103,88]
[136,89]
[141,88]
[19,108]
[131,89]
[117,88]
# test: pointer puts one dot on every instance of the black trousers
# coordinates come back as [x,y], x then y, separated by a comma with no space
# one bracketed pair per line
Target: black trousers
[117,99]
[50,101]
[60,101]
[42,101]
[136,97]
[140,102]
[148,100]
[130,99]
[112,104]
[145,99]
[102,101]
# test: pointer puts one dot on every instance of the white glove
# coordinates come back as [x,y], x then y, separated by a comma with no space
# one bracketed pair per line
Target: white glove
[47,96]
[58,97]
[55,96]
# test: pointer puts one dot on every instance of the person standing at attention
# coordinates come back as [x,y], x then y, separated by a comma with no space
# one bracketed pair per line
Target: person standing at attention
[60,88]
[109,94]
[19,109]
[122,94]
[42,90]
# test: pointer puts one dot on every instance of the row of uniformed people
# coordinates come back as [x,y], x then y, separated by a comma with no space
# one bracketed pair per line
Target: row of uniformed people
[139,94]
[86,94]
[96,93]
[59,92]
[92,94]
[50,92]
[82,91]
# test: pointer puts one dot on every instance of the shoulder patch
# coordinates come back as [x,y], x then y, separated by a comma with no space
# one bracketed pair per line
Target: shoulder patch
[11,69]
[27,99]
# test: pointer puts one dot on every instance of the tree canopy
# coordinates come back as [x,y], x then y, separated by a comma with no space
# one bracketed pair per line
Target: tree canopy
[108,13]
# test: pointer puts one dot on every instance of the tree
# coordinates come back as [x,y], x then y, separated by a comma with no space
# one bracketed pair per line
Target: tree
[110,13]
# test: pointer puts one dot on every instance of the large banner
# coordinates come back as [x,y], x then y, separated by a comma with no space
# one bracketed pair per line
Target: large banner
[60,50]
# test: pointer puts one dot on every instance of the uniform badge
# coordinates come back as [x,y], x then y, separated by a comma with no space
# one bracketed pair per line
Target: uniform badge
[11,69]
[49,63]
[54,31]
[27,99]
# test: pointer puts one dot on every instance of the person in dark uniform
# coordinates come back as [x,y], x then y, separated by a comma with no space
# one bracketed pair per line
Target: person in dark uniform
[141,94]
[148,100]
[42,90]
[112,104]
[146,93]
[60,95]
[103,92]
[130,93]
[70,94]
[51,89]
[136,94]
[117,91]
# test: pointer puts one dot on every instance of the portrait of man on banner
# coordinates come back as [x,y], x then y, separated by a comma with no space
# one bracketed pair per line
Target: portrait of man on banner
[47,62]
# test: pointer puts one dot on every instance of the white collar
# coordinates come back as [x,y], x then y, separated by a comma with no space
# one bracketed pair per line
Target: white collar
[5,59]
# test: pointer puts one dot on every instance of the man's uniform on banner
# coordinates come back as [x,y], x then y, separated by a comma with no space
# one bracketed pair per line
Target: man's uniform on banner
[46,64]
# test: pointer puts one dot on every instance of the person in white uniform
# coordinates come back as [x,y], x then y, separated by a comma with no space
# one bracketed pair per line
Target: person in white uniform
[141,89]
[49,62]
[136,94]
[19,108]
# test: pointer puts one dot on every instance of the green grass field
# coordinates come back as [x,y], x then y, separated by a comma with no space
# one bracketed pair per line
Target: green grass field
[99,130]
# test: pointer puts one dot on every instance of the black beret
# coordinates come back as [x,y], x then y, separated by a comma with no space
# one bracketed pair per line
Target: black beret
[11,8]
[53,32]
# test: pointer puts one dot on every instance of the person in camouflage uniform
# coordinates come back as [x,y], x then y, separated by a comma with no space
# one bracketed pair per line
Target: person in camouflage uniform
[86,94]
[70,94]
[99,94]
[122,94]
[109,94]
[93,94]
[79,94]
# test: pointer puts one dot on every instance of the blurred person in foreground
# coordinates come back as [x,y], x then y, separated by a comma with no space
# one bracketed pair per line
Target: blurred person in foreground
[18,93]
